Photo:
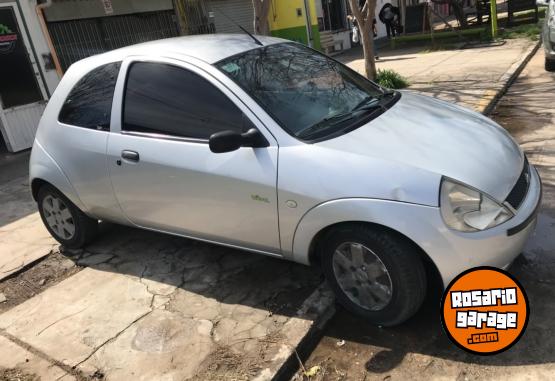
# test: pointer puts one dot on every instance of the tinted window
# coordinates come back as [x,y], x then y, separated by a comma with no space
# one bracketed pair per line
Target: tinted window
[89,104]
[309,94]
[169,100]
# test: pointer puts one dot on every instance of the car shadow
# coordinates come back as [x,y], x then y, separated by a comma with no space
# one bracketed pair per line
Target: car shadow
[227,275]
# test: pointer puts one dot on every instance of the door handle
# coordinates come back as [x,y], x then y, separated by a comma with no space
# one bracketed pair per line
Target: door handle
[130,155]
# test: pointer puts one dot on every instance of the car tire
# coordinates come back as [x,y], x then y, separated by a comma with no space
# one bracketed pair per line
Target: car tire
[549,65]
[63,220]
[390,261]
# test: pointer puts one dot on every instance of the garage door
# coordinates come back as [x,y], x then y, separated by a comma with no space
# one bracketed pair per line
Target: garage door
[240,11]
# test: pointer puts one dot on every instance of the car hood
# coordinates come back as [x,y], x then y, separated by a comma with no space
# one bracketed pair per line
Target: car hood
[437,136]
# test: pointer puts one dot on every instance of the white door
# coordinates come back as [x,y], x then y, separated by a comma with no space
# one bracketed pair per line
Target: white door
[22,93]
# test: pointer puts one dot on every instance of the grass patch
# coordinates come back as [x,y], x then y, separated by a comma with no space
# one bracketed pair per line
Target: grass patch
[467,34]
[530,31]
[448,39]
[391,79]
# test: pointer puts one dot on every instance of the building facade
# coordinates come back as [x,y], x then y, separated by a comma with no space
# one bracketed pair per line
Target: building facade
[40,39]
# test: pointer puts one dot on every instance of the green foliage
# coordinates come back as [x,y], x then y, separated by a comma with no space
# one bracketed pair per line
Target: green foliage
[391,79]
[531,31]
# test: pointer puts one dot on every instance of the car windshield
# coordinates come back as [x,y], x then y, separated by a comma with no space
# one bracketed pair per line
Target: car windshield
[310,95]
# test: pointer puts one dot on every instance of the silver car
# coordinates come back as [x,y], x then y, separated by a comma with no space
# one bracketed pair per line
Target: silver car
[271,147]
[548,33]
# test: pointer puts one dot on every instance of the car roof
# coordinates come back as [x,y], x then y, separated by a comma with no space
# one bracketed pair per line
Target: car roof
[210,48]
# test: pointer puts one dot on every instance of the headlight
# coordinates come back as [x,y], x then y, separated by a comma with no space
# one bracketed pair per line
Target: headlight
[468,210]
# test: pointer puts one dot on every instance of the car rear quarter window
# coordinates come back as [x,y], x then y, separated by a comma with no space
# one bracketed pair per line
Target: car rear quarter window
[89,104]
[169,100]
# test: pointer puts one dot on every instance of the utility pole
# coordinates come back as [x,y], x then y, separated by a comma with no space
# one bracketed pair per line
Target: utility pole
[493,17]
[308,19]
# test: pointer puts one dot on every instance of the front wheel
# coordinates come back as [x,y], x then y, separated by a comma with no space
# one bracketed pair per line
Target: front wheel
[375,273]
[549,65]
[64,221]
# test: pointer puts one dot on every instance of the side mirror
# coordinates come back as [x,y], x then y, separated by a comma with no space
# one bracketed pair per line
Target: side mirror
[542,3]
[228,141]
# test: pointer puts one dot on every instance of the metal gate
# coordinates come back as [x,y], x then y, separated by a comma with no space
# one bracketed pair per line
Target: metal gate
[78,39]
[214,16]
[195,17]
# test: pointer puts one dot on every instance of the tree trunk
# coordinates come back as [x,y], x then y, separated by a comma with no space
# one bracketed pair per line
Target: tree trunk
[367,39]
[365,18]
[261,9]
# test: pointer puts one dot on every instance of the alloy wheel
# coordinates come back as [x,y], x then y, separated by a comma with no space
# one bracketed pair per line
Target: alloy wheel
[362,276]
[58,217]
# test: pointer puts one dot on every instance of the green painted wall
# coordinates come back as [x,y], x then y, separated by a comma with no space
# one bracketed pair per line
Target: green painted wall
[298,34]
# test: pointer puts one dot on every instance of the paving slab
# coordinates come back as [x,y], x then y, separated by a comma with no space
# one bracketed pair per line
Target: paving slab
[71,319]
[20,361]
[23,237]
[152,306]
[469,77]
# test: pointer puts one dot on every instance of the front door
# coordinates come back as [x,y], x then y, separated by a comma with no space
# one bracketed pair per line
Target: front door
[21,92]
[166,178]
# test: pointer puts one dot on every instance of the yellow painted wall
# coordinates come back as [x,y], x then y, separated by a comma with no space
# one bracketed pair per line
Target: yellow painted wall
[283,14]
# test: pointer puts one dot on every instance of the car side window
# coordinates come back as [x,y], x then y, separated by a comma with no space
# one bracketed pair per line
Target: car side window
[89,103]
[166,99]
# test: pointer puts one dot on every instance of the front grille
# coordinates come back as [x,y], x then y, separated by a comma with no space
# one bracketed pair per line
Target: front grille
[520,189]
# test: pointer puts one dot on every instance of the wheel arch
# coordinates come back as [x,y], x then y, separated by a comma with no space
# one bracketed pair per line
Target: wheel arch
[411,222]
[36,184]
[43,169]
[432,271]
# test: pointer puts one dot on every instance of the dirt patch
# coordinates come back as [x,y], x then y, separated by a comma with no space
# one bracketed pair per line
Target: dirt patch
[225,364]
[15,374]
[47,272]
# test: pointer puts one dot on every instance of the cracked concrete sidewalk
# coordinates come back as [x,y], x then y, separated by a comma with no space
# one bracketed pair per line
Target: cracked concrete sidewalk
[150,306]
[23,237]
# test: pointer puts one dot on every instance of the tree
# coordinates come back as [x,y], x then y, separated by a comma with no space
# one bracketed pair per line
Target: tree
[261,9]
[364,12]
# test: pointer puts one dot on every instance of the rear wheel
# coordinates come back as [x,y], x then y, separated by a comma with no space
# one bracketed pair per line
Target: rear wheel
[549,64]
[374,273]
[65,222]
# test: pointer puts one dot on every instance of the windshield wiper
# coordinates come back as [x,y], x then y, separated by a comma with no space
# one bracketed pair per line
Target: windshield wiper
[321,125]
[370,101]
[334,120]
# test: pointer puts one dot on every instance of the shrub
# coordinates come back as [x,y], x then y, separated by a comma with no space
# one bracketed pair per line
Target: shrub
[391,79]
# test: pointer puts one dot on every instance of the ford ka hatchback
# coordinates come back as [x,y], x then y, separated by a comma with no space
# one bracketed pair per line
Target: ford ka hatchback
[274,148]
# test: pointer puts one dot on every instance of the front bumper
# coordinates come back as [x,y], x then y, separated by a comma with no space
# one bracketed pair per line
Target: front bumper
[496,247]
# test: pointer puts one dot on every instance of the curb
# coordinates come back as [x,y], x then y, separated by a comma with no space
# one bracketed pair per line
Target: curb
[509,77]
[302,333]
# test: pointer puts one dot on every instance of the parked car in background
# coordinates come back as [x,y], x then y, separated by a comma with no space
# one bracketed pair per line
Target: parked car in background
[266,145]
[548,33]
